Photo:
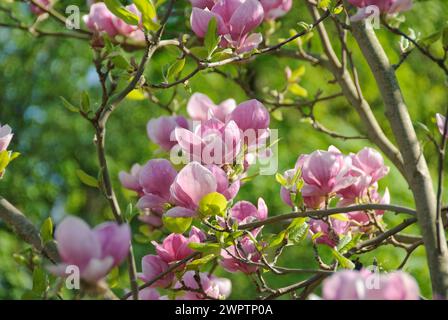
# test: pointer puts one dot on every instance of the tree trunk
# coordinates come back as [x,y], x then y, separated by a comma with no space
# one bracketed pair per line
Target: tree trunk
[415,166]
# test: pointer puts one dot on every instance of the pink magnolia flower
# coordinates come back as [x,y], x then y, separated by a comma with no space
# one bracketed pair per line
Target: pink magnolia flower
[161,130]
[275,8]
[440,123]
[147,294]
[253,119]
[384,6]
[285,192]
[325,173]
[128,30]
[357,190]
[192,183]
[224,286]
[95,252]
[201,108]
[247,250]
[202,4]
[37,10]
[364,285]
[227,188]
[212,142]
[152,267]
[212,287]
[5,137]
[369,162]
[329,236]
[198,233]
[251,114]
[175,246]
[235,20]
[155,180]
[373,197]
[131,180]
[245,212]
[100,19]
[314,202]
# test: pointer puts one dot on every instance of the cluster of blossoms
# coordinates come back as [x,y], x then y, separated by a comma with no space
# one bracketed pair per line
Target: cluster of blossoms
[218,145]
[325,177]
[217,142]
[236,19]
[384,6]
[94,252]
[365,285]
[101,20]
[192,285]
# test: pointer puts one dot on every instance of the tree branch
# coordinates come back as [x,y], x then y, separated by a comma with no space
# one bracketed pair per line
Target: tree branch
[325,213]
[21,226]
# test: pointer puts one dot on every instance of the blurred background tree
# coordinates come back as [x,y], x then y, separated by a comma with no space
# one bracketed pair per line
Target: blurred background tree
[55,143]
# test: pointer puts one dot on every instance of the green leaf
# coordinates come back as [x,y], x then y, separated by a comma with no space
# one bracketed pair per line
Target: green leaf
[136,95]
[298,200]
[46,230]
[39,281]
[297,73]
[343,241]
[13,156]
[324,4]
[343,261]
[4,160]
[85,102]
[338,9]
[87,179]
[140,238]
[277,239]
[316,235]
[149,13]
[212,204]
[297,90]
[20,259]
[350,244]
[68,105]
[175,68]
[199,52]
[281,179]
[195,264]
[277,115]
[340,217]
[114,277]
[445,38]
[130,212]
[297,230]
[177,224]
[207,248]
[120,62]
[121,12]
[211,39]
[428,40]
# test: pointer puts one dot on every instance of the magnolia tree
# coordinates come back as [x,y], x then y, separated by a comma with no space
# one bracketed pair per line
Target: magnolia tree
[332,198]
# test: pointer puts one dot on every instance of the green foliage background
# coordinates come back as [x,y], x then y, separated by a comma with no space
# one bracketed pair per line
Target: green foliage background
[54,142]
